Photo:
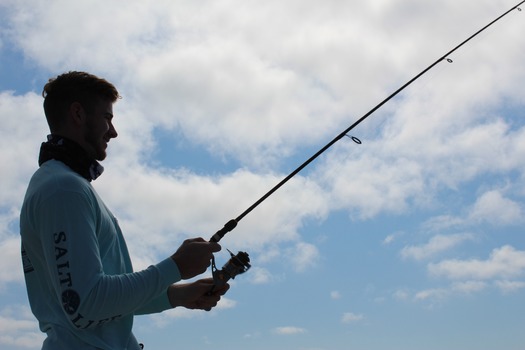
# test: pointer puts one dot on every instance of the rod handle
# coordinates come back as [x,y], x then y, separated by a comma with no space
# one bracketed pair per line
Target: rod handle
[230,225]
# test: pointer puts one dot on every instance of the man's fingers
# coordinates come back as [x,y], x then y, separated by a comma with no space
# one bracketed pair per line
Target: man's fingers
[215,247]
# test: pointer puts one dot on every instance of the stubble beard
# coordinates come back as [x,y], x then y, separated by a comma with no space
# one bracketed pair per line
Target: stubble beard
[97,144]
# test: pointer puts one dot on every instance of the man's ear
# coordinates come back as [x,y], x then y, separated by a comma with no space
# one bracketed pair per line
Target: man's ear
[77,113]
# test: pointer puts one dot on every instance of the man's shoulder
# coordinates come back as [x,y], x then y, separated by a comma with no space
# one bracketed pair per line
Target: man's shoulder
[54,175]
[52,183]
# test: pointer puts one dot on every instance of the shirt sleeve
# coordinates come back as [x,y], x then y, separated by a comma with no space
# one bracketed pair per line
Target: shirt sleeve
[69,221]
[159,304]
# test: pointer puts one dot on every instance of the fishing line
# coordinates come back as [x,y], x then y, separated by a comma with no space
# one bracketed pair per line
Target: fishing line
[230,225]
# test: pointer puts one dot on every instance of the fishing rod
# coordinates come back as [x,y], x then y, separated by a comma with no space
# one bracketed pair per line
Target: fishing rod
[240,263]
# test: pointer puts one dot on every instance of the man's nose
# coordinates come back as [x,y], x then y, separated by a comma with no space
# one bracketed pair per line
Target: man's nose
[112,131]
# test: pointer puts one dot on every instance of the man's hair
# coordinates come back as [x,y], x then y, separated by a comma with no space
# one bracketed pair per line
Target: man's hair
[60,92]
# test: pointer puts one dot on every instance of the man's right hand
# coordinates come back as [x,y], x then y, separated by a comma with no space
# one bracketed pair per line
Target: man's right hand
[194,256]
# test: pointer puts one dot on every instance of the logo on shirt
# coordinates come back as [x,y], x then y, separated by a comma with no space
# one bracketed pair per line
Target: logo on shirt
[26,262]
[70,298]
[70,301]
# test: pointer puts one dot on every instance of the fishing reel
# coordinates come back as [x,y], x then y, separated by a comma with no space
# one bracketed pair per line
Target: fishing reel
[237,265]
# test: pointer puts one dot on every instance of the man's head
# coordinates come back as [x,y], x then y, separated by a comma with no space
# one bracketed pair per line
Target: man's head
[79,106]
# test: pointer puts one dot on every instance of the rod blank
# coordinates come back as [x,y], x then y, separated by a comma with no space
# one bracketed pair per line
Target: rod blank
[230,225]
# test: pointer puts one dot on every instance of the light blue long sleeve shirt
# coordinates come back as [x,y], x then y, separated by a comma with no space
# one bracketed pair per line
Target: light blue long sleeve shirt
[79,277]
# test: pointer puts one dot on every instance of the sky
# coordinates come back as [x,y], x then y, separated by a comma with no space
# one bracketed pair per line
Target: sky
[412,239]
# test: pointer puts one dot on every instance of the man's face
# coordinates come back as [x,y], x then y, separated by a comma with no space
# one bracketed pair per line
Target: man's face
[99,129]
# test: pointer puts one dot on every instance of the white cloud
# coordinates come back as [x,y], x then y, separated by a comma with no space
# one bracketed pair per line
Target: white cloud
[469,287]
[10,261]
[335,295]
[372,184]
[303,256]
[190,204]
[389,239]
[507,286]
[490,207]
[259,275]
[436,245]
[392,237]
[502,262]
[19,328]
[23,129]
[31,340]
[493,208]
[350,317]
[401,294]
[264,96]
[443,222]
[432,294]
[289,330]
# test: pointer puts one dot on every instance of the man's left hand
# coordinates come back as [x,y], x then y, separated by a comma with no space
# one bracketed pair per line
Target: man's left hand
[195,295]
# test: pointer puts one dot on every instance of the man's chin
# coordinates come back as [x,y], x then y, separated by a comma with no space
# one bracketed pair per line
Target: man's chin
[101,156]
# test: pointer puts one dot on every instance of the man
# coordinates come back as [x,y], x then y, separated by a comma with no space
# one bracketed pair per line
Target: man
[78,272]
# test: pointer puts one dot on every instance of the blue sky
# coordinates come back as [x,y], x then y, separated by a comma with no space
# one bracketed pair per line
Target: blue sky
[411,240]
